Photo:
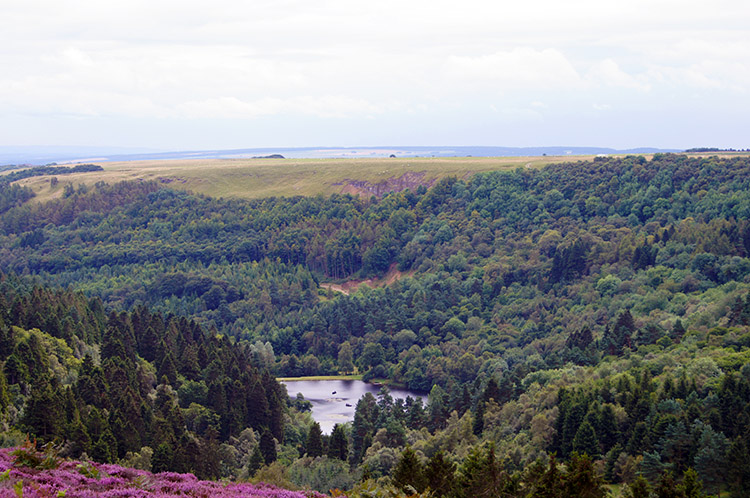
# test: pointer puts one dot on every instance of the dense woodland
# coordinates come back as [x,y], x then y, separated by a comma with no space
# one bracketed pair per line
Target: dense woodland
[584,323]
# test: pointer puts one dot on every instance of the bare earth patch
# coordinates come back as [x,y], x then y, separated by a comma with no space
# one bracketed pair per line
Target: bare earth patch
[350,286]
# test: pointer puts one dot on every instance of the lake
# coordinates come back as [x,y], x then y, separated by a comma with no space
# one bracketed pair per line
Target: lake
[334,401]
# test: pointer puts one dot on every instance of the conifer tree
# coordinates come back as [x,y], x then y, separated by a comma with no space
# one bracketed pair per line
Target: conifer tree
[105,448]
[161,460]
[314,444]
[640,488]
[409,472]
[551,483]
[268,447]
[691,486]
[44,415]
[439,474]
[168,369]
[585,440]
[338,445]
[667,488]
[739,465]
[678,330]
[581,479]
[256,461]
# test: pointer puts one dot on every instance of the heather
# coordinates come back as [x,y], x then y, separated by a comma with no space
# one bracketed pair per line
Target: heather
[75,479]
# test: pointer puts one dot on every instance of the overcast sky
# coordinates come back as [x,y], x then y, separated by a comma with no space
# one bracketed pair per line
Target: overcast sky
[187,74]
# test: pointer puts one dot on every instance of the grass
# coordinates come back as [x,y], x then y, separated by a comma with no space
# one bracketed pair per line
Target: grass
[320,377]
[257,178]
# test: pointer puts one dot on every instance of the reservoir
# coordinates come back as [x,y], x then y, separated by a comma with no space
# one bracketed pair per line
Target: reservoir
[334,401]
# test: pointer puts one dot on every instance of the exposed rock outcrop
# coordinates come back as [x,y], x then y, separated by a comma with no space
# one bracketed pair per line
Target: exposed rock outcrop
[409,180]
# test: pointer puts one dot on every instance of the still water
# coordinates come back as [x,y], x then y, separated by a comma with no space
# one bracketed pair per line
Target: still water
[334,401]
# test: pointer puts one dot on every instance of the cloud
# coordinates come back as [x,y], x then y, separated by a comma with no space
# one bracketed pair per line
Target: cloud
[608,73]
[327,107]
[521,67]
[708,76]
[369,63]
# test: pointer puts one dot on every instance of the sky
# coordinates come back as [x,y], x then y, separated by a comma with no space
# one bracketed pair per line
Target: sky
[222,74]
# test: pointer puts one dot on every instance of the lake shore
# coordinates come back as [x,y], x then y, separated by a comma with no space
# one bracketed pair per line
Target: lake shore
[320,377]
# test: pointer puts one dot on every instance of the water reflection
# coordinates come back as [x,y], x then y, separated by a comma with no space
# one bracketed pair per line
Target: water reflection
[334,401]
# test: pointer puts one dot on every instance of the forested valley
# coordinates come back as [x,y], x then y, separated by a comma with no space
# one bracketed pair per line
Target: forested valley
[581,325]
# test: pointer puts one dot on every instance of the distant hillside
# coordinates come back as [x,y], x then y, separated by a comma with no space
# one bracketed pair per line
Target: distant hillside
[253,178]
[46,155]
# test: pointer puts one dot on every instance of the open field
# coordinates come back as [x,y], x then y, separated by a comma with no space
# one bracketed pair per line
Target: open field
[256,178]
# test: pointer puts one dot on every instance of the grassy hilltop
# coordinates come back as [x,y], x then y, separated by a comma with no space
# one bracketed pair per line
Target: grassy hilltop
[258,178]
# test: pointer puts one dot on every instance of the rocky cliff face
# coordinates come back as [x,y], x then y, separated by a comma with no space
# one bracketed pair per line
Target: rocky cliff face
[410,180]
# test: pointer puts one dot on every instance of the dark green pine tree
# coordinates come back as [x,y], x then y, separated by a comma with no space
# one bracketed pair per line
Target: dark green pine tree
[149,344]
[255,462]
[92,387]
[648,335]
[363,428]
[277,403]
[738,471]
[188,456]
[7,339]
[608,433]
[258,407]
[16,372]
[572,413]
[32,354]
[635,443]
[113,346]
[640,488]
[691,486]
[585,440]
[210,457]
[314,444]
[268,447]
[551,483]
[619,335]
[168,369]
[44,414]
[710,458]
[4,397]
[95,423]
[482,475]
[415,416]
[409,473]
[652,466]
[338,446]
[610,460]
[440,475]
[581,479]
[105,448]
[189,365]
[478,425]
[667,488]
[161,461]
[492,391]
[79,439]
[678,330]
